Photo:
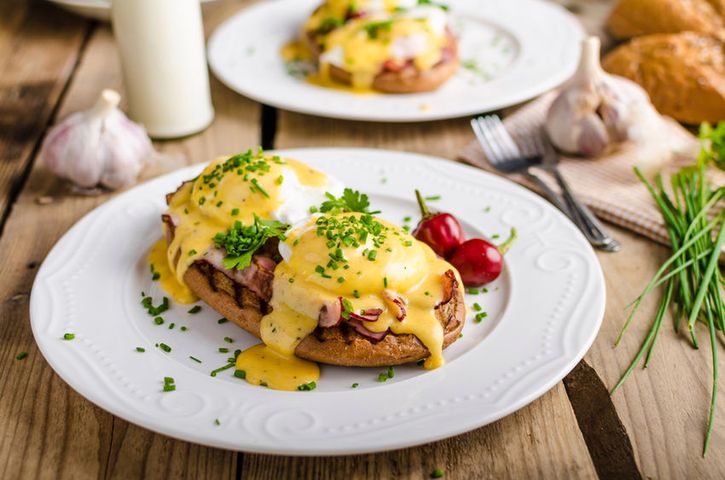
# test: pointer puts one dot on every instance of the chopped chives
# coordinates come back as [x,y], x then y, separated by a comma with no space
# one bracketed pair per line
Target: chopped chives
[235,212]
[171,326]
[217,422]
[240,374]
[164,347]
[221,369]
[223,350]
[169,388]
[228,340]
[140,349]
[69,336]
[184,328]
[21,355]
[433,198]
[477,307]
[480,316]
[192,252]
[158,321]
[306,387]
[355,385]
[195,309]
[222,320]
[195,359]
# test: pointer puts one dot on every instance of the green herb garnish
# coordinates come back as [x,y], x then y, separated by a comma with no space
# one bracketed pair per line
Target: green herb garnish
[195,309]
[140,349]
[373,29]
[350,201]
[240,241]
[306,387]
[21,355]
[195,359]
[164,347]
[240,374]
[69,336]
[438,472]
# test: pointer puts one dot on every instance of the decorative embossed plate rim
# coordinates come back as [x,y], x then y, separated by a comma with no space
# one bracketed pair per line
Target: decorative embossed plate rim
[244,54]
[554,308]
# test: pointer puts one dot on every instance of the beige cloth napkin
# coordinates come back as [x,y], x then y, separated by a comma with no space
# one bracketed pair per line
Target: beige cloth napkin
[608,185]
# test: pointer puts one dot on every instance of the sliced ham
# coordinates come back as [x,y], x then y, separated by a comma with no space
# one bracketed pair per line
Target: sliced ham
[360,328]
[330,314]
[257,276]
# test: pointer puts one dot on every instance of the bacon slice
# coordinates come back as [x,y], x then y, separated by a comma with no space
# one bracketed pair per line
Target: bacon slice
[450,284]
[396,303]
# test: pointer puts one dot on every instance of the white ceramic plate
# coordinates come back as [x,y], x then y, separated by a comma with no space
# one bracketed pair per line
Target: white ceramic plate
[543,314]
[96,9]
[515,50]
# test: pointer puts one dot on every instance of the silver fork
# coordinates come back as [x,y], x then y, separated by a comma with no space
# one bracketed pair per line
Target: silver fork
[506,156]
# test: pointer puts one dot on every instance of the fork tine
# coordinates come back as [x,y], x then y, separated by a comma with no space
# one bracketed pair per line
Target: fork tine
[478,131]
[489,131]
[498,154]
[504,137]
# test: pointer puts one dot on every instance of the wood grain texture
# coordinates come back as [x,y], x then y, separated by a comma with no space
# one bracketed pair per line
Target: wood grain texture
[539,441]
[46,429]
[664,408]
[38,52]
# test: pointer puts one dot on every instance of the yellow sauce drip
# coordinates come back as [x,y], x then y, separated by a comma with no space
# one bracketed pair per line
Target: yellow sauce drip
[265,366]
[178,291]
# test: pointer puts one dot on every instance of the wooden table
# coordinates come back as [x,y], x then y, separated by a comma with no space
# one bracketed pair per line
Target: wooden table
[52,64]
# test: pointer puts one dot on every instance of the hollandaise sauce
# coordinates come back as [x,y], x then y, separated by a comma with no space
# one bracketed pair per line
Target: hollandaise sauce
[364,263]
[157,258]
[363,38]
[231,189]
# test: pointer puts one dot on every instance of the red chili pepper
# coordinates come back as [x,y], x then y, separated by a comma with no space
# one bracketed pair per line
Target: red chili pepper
[478,261]
[440,231]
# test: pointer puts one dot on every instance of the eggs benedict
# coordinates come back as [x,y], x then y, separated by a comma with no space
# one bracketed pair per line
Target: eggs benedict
[393,46]
[319,280]
[251,194]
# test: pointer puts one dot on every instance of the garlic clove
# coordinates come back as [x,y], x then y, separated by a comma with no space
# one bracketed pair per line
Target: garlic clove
[99,147]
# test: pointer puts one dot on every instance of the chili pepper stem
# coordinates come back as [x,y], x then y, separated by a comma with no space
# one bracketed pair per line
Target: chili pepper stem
[424,212]
[503,248]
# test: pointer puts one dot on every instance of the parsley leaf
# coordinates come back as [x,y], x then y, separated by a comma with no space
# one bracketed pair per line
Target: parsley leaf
[713,144]
[240,241]
[350,201]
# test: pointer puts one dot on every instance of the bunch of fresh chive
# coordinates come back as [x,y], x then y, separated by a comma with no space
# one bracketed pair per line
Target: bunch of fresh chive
[690,278]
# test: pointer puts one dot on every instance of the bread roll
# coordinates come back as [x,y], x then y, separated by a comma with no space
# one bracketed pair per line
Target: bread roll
[684,73]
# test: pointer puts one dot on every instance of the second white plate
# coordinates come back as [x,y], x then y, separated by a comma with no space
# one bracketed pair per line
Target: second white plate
[510,50]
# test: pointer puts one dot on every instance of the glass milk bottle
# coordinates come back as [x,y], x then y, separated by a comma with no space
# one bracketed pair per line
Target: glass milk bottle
[161,43]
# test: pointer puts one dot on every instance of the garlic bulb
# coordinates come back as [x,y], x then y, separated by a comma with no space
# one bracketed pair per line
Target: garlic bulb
[99,147]
[596,110]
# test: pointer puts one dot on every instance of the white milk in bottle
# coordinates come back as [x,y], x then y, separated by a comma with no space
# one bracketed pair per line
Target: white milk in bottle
[161,43]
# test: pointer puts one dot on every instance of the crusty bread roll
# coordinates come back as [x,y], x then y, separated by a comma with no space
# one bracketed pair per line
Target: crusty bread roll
[684,73]
[335,345]
[632,18]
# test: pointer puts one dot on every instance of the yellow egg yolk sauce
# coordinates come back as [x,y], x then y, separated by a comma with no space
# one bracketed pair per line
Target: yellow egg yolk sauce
[367,42]
[229,189]
[361,261]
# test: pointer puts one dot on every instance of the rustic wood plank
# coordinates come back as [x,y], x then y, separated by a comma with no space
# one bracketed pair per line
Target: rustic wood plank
[664,407]
[46,429]
[38,51]
[540,441]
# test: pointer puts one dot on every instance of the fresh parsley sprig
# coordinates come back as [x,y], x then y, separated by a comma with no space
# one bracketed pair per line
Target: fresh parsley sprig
[713,144]
[241,241]
[350,201]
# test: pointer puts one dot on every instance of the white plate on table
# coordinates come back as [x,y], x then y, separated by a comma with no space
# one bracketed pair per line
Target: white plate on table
[543,314]
[515,49]
[96,9]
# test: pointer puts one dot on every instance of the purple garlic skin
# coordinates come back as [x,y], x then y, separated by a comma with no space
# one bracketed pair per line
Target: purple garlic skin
[99,147]
[595,111]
